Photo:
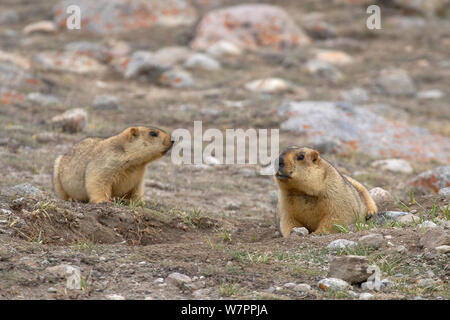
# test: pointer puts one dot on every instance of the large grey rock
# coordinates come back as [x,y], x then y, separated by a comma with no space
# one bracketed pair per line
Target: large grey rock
[249,26]
[355,129]
[352,269]
[115,16]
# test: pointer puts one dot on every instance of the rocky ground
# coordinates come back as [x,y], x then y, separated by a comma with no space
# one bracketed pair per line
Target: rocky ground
[374,102]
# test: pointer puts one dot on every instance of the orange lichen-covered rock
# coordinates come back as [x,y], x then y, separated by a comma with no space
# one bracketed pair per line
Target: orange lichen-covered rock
[250,26]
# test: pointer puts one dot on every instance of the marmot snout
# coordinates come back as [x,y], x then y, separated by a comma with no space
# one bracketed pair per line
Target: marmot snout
[314,195]
[98,170]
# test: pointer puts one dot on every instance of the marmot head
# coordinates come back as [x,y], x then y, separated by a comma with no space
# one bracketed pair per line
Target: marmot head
[147,143]
[300,169]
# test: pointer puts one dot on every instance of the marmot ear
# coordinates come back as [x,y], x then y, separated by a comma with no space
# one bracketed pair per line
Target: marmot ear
[315,156]
[133,133]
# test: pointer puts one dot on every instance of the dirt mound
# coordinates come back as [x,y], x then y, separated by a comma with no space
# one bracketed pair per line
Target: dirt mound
[58,222]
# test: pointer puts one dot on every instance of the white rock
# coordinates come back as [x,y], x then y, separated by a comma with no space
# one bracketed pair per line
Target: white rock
[224,48]
[158,281]
[393,165]
[300,231]
[365,296]
[115,297]
[289,285]
[333,284]
[341,244]
[444,192]
[267,171]
[202,61]
[269,85]
[41,26]
[430,94]
[334,57]
[443,249]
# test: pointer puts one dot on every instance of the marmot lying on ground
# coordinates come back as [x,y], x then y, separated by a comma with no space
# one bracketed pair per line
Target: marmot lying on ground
[98,170]
[314,195]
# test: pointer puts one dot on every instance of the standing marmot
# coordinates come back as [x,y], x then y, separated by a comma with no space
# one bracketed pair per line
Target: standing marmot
[98,170]
[314,195]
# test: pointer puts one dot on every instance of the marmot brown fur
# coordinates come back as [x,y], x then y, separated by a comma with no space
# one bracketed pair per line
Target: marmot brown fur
[98,170]
[314,195]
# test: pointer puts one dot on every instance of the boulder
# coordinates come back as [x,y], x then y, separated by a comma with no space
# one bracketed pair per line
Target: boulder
[250,26]
[352,269]
[115,16]
[352,129]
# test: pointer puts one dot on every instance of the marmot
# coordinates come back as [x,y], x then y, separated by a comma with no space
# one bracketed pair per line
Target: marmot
[98,170]
[313,194]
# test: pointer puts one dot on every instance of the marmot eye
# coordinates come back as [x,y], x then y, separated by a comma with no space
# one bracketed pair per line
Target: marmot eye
[301,157]
[153,133]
